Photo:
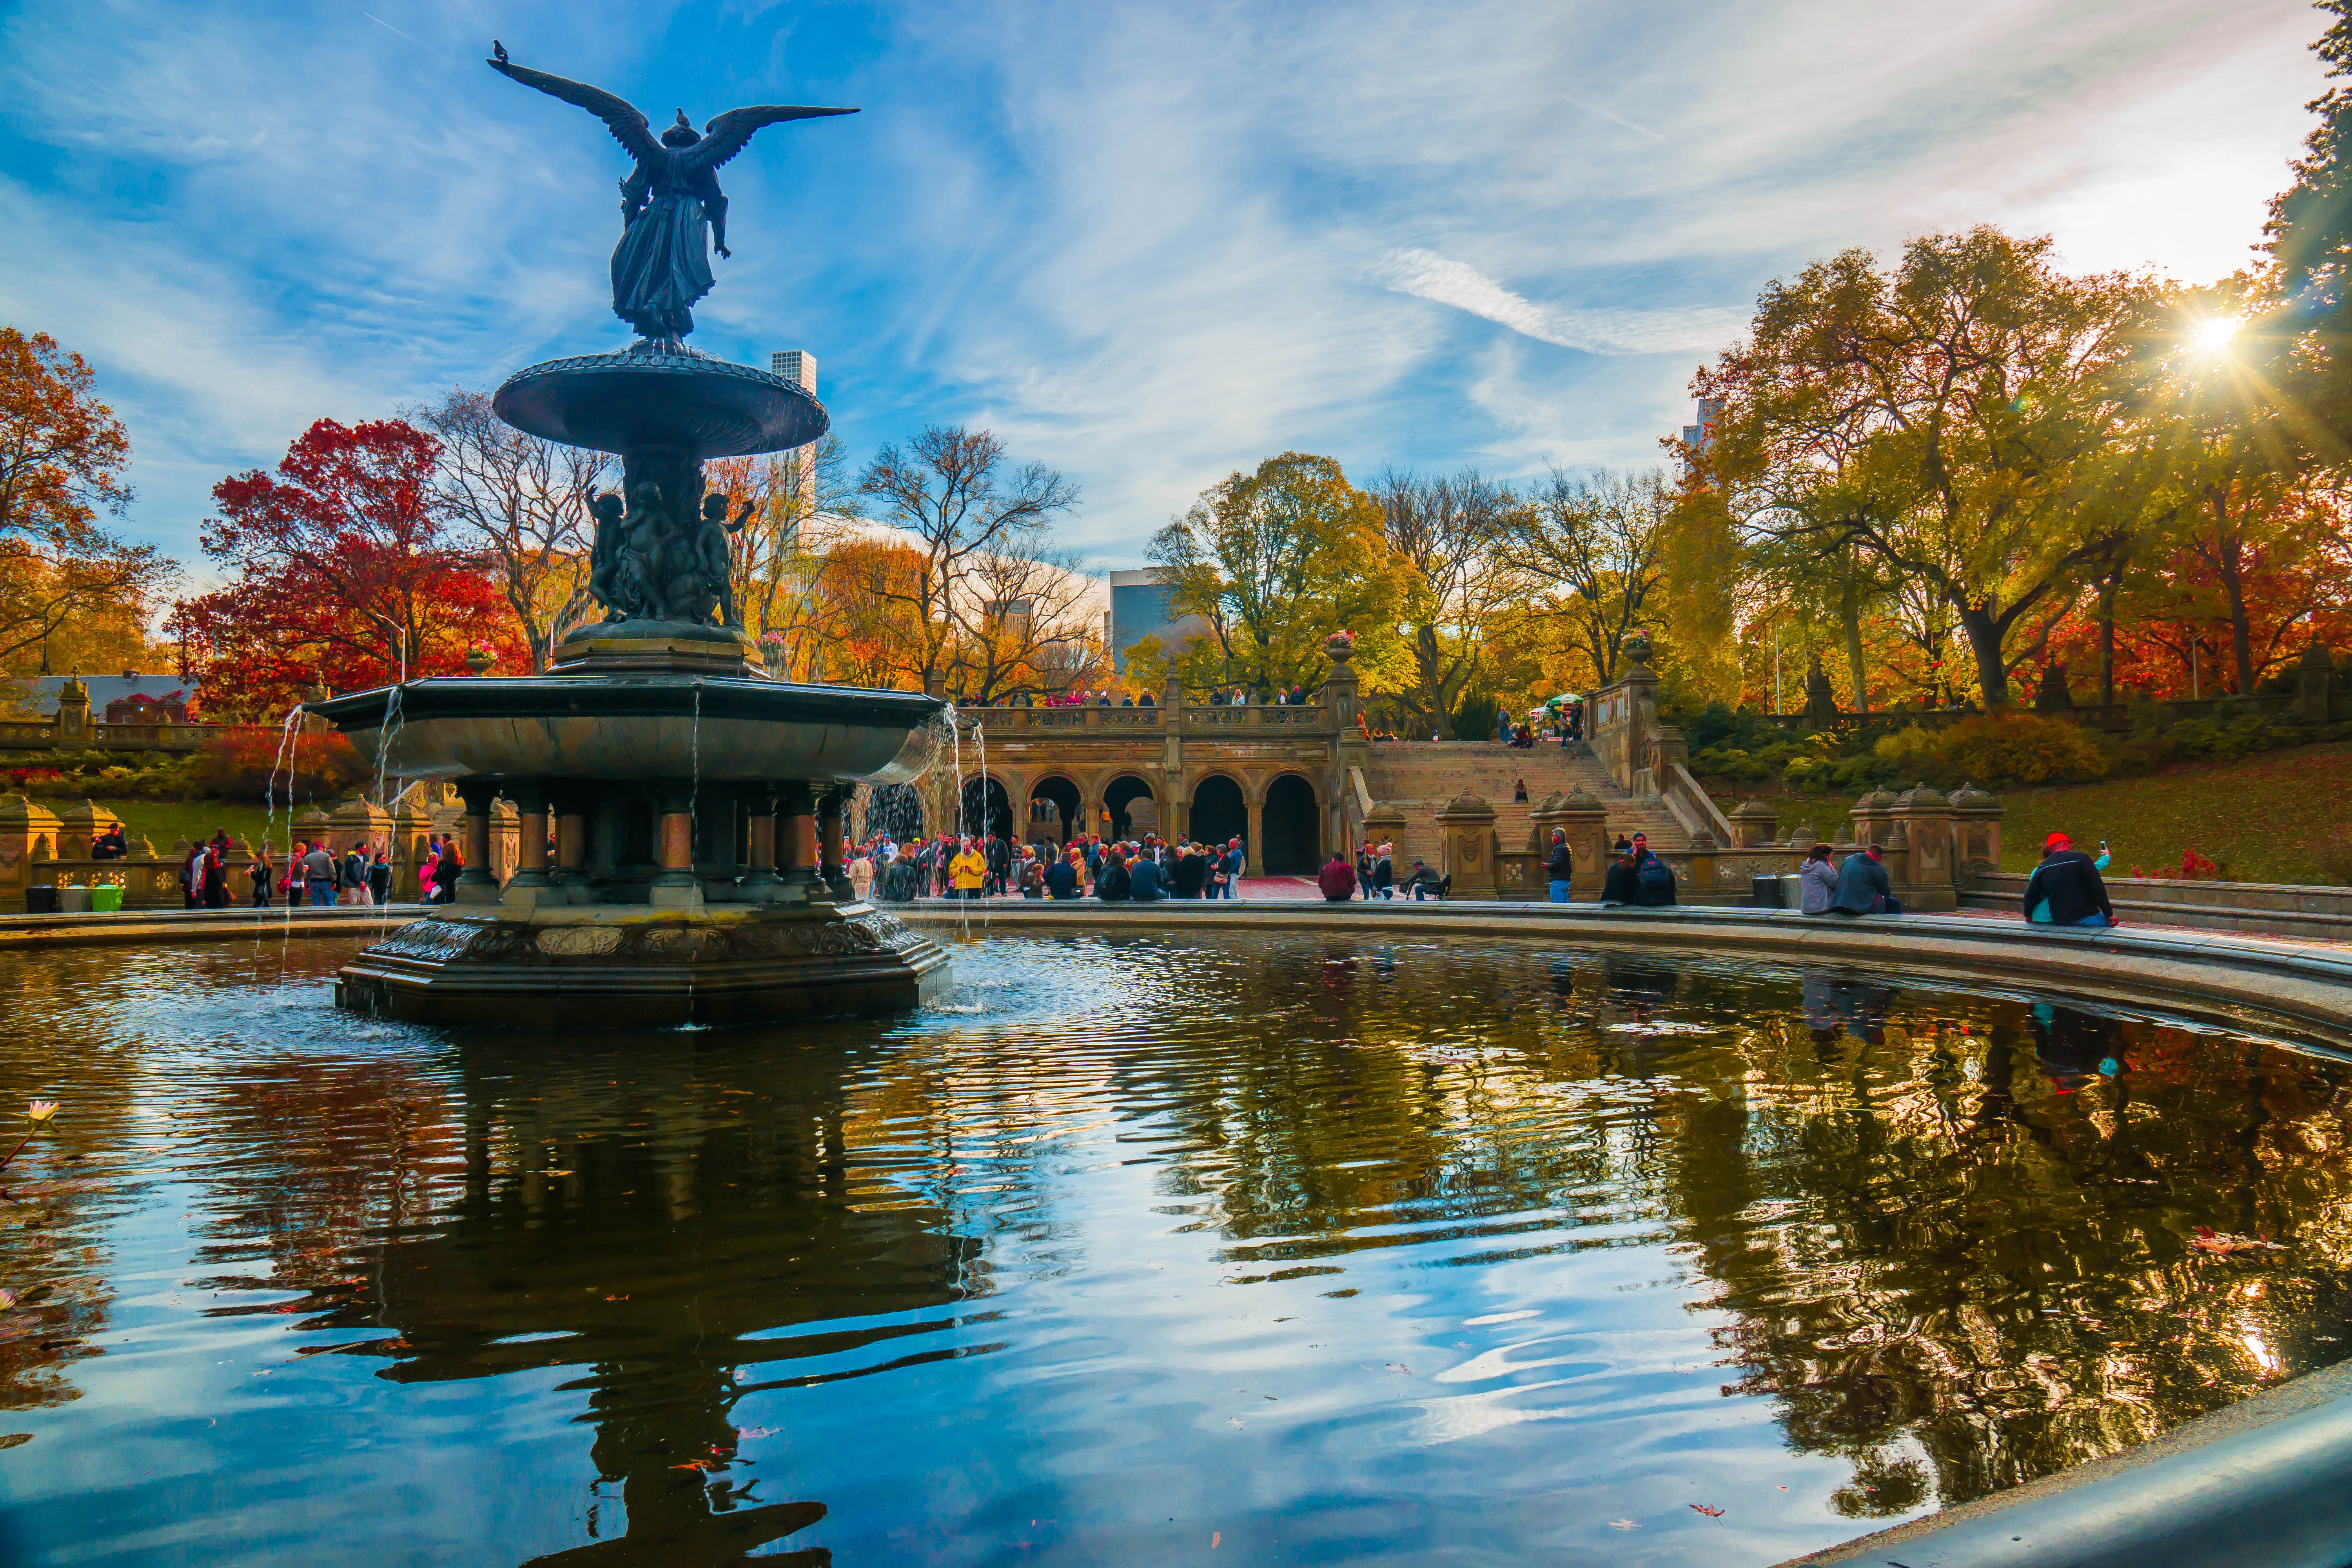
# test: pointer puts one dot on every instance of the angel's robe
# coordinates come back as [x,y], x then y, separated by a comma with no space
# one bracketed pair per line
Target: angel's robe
[662,265]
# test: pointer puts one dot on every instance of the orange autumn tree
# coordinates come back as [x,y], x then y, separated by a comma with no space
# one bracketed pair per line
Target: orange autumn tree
[62,457]
[343,573]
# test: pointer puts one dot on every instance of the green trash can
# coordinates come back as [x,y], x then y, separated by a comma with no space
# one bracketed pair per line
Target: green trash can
[106,899]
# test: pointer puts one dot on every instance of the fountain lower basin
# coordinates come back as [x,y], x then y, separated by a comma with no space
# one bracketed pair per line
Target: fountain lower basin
[678,842]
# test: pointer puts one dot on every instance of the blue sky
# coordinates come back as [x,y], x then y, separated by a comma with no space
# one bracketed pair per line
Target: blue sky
[1147,243]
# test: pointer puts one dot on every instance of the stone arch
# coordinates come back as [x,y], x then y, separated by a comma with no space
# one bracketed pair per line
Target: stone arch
[1219,809]
[1119,796]
[987,807]
[1294,828]
[1055,811]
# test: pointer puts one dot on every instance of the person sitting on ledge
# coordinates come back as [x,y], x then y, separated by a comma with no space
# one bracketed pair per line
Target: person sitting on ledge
[1143,881]
[2066,890]
[1424,883]
[1862,888]
[1110,881]
[1818,881]
[1337,880]
[1653,879]
[1620,885]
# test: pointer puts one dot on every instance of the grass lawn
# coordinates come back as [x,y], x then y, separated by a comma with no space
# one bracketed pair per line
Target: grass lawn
[2267,818]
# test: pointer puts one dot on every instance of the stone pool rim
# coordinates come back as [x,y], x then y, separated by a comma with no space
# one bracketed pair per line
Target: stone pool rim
[2302,990]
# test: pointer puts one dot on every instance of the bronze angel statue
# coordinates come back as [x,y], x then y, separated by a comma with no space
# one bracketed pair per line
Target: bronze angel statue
[672,210]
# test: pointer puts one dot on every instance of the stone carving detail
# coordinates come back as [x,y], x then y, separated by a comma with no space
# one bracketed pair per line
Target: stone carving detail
[579,942]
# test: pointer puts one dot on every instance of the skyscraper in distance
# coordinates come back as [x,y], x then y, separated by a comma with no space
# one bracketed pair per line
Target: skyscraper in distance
[798,367]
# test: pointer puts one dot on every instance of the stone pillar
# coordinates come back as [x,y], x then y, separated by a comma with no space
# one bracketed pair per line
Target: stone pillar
[1753,824]
[530,882]
[73,714]
[78,827]
[1921,827]
[1384,823]
[1255,862]
[1586,822]
[796,843]
[674,885]
[1873,818]
[568,803]
[476,884]
[411,829]
[761,800]
[831,806]
[310,829]
[1467,825]
[1340,687]
[1976,835]
[28,832]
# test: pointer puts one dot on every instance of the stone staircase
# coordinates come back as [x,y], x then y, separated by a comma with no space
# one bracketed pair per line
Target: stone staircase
[1418,778]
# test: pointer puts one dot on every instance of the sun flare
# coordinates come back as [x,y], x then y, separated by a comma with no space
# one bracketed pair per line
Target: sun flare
[2214,335]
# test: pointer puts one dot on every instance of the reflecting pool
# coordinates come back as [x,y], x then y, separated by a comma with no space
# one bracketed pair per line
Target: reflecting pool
[1310,1250]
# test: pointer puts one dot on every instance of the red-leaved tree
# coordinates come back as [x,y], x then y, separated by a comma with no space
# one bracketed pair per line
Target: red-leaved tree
[343,574]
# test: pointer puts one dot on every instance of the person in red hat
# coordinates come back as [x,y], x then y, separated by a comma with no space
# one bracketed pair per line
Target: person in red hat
[2065,889]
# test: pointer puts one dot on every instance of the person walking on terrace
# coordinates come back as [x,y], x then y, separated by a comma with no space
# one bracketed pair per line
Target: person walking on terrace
[1560,865]
[1817,881]
[1337,880]
[1862,888]
[2065,889]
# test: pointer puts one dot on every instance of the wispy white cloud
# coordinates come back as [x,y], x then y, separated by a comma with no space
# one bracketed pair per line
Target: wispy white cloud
[1148,245]
[1430,276]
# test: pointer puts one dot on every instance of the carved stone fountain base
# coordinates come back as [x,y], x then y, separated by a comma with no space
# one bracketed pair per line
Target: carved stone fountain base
[631,965]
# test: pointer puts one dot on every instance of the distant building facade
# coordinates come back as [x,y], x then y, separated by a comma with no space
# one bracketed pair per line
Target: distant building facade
[1140,609]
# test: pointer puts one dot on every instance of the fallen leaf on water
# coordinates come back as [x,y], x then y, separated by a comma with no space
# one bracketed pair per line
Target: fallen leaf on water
[1215,1536]
[757,1431]
[1622,1524]
[2222,1245]
[1710,1512]
[10,1439]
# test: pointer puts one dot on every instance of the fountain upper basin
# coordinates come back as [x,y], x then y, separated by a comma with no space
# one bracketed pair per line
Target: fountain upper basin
[642,726]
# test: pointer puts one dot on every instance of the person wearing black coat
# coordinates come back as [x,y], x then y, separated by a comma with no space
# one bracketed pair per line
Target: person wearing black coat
[2066,888]
[1143,881]
[1190,873]
[1653,879]
[1862,888]
[1620,886]
[1062,879]
[1110,880]
[1559,867]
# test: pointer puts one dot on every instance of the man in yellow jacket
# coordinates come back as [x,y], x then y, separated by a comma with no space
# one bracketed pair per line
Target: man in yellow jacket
[968,871]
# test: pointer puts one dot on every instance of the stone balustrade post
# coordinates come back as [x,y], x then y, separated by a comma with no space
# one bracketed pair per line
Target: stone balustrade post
[1976,835]
[1586,821]
[2315,684]
[1467,825]
[1922,822]
[1753,825]
[28,832]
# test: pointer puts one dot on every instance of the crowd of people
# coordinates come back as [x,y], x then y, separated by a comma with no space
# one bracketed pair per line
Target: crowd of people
[986,865]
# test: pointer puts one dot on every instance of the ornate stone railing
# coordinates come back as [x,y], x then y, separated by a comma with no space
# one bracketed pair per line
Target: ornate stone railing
[49,735]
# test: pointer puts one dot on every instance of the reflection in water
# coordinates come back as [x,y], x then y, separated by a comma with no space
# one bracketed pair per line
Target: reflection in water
[1334,1251]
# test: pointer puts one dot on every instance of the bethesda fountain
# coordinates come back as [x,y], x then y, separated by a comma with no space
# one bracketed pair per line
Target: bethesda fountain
[695,804]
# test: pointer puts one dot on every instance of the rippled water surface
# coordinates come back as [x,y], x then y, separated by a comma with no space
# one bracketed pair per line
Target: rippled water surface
[1296,1250]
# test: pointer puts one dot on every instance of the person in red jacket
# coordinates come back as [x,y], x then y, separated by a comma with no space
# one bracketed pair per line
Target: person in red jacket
[1337,880]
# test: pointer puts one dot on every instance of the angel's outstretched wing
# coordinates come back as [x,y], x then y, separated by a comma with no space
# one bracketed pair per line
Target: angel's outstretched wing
[725,136]
[628,127]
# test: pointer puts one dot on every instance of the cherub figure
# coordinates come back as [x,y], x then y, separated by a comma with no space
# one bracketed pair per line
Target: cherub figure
[717,559]
[605,557]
